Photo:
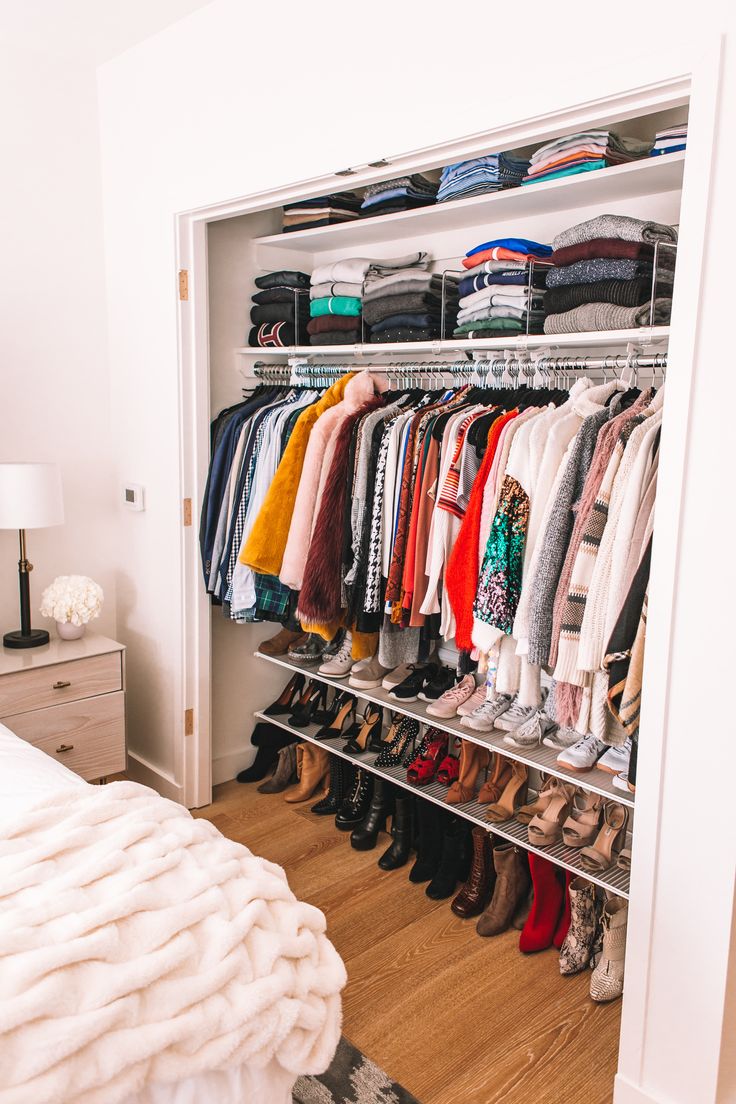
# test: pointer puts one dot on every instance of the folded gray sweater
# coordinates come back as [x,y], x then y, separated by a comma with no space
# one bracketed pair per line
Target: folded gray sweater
[606,316]
[615,226]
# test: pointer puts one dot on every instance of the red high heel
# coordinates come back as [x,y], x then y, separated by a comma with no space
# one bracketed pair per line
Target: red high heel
[449,770]
[424,767]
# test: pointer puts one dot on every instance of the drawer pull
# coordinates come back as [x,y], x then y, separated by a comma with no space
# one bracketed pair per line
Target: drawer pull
[61,684]
[64,747]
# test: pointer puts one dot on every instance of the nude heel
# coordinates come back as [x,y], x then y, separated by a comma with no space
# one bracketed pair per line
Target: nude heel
[513,795]
[494,784]
[581,827]
[546,827]
[610,841]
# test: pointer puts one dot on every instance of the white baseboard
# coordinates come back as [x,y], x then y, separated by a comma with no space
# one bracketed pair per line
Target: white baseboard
[626,1093]
[140,770]
[225,767]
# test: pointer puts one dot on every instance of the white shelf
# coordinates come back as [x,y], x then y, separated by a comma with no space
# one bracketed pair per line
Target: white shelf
[541,758]
[613,879]
[600,339]
[616,183]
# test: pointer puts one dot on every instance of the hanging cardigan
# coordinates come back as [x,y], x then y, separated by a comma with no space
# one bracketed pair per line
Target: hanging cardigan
[264,550]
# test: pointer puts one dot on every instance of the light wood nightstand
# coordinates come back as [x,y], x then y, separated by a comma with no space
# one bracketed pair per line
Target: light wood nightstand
[68,699]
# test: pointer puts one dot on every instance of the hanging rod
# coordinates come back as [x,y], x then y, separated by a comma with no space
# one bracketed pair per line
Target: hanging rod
[610,362]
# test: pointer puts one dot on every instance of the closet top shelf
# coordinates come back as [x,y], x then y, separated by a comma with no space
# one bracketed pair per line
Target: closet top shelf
[612,339]
[651,175]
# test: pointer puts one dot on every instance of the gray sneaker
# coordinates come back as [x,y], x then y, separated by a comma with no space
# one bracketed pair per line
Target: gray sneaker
[561,737]
[484,717]
[515,716]
[370,677]
[531,732]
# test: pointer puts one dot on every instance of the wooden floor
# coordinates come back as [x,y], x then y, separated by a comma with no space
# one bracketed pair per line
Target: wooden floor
[454,1018]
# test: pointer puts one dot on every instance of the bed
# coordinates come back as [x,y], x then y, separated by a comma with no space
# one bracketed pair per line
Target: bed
[86,927]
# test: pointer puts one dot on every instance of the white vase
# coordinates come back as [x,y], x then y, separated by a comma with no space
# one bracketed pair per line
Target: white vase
[67,631]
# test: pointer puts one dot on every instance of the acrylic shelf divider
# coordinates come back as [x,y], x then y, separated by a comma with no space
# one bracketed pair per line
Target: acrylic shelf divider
[615,880]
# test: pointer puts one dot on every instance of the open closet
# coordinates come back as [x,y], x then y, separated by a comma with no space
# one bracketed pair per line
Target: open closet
[453,346]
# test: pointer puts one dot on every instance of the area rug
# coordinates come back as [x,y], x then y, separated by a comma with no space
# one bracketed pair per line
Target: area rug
[351,1079]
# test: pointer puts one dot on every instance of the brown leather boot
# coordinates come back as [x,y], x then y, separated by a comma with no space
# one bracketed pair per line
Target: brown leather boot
[496,782]
[475,894]
[314,764]
[512,886]
[278,645]
[473,759]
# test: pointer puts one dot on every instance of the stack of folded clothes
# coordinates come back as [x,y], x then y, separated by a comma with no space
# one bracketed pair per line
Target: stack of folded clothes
[482,174]
[500,294]
[406,305]
[280,310]
[670,140]
[583,152]
[307,214]
[336,296]
[401,194]
[603,275]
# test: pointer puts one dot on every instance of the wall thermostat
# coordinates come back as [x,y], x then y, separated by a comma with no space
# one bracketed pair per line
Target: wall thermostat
[133,496]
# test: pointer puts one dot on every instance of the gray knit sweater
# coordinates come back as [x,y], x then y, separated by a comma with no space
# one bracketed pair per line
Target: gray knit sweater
[615,226]
[607,316]
[557,537]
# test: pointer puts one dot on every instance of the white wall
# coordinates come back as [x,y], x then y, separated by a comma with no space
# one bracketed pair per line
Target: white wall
[54,383]
[239,98]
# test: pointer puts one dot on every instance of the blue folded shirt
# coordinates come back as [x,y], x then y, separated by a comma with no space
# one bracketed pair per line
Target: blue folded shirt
[518,245]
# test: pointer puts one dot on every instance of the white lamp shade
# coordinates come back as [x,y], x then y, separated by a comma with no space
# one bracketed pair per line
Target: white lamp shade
[30,496]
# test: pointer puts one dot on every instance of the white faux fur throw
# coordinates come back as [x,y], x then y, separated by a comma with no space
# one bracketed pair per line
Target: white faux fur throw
[138,945]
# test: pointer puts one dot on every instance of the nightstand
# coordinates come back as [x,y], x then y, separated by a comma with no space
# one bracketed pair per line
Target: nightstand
[68,699]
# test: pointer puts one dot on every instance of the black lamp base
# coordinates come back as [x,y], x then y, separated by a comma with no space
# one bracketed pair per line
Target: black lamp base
[33,639]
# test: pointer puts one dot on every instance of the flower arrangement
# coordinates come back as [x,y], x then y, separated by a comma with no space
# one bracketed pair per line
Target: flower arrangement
[72,599]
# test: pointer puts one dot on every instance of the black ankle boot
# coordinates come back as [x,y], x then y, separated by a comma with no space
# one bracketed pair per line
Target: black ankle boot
[401,830]
[429,840]
[268,739]
[355,805]
[364,837]
[454,865]
[341,778]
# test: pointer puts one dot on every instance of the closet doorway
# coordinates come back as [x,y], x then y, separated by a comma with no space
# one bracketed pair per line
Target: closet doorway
[223,247]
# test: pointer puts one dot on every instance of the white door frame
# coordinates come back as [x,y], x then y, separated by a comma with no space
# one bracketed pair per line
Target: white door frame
[697,79]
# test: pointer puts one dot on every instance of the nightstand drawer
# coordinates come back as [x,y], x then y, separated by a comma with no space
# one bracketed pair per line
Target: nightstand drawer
[88,736]
[37,687]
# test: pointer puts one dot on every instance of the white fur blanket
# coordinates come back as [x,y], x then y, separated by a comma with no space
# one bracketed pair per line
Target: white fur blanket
[138,945]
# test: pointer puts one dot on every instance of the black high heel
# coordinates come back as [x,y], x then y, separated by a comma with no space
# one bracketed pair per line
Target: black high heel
[284,703]
[343,708]
[396,749]
[401,830]
[365,836]
[369,733]
[312,700]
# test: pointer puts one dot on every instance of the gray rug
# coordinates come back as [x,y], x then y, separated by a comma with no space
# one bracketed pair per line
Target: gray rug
[351,1079]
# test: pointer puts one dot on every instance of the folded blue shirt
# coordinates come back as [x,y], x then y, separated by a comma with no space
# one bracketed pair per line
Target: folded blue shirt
[519,245]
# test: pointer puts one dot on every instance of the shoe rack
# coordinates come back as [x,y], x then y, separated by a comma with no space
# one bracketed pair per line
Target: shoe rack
[541,759]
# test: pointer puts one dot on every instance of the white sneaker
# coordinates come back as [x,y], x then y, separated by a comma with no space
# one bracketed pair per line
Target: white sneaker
[621,782]
[393,678]
[473,702]
[584,754]
[561,738]
[484,717]
[370,677]
[616,759]
[360,665]
[530,733]
[339,664]
[447,704]
[515,716]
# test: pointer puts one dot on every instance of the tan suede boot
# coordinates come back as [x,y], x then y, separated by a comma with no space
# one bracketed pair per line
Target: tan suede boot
[512,886]
[473,759]
[313,764]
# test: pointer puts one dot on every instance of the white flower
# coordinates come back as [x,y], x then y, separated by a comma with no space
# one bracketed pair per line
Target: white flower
[74,598]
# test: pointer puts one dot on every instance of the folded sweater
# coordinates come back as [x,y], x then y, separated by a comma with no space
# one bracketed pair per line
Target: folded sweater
[283,278]
[277,312]
[607,316]
[413,302]
[336,337]
[335,304]
[615,226]
[625,293]
[324,291]
[354,269]
[600,268]
[330,322]
[608,247]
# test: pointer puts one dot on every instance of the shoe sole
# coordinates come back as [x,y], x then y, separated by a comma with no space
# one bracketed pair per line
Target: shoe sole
[363,685]
[522,747]
[607,770]
[475,728]
[398,699]
[441,716]
[332,674]
[579,770]
[424,697]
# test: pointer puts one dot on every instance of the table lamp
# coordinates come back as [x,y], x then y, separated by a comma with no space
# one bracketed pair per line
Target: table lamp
[30,498]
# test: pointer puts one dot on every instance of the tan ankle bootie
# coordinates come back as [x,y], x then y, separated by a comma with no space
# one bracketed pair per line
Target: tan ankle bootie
[313,765]
[607,980]
[473,759]
[512,887]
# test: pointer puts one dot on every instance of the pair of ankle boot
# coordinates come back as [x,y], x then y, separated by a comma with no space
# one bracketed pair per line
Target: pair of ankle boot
[268,741]
[596,933]
[313,769]
[497,887]
[443,850]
